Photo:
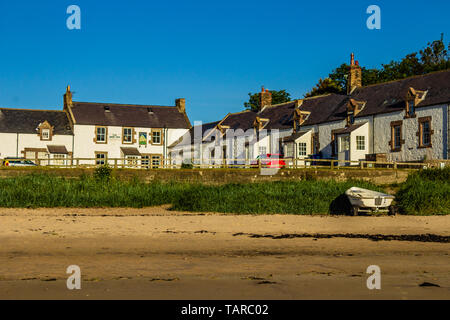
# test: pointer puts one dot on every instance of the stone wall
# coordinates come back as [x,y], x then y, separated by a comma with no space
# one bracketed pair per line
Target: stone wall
[221,176]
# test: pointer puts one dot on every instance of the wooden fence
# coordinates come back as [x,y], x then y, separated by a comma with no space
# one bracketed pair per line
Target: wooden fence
[139,163]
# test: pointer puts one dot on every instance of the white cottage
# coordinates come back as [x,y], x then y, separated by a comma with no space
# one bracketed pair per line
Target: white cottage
[140,134]
[42,136]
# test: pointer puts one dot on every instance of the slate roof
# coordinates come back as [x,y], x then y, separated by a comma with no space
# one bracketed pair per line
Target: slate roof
[26,121]
[121,115]
[293,137]
[130,151]
[188,137]
[240,120]
[57,149]
[390,96]
[349,129]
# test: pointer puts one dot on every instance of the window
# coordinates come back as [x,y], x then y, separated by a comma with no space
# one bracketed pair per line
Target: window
[156,161]
[360,143]
[396,136]
[127,135]
[145,162]
[425,132]
[132,161]
[100,158]
[156,137]
[45,134]
[58,159]
[344,143]
[302,149]
[352,118]
[411,111]
[100,134]
[262,150]
[289,150]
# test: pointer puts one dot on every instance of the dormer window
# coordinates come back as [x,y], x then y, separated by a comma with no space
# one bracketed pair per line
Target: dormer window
[411,109]
[45,131]
[413,98]
[354,107]
[107,109]
[351,118]
[299,118]
[45,134]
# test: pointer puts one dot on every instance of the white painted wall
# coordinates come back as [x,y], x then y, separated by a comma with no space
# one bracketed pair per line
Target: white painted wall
[410,150]
[85,147]
[12,144]
[356,155]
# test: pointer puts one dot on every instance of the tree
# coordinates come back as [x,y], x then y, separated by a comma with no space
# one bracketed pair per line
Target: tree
[433,58]
[325,86]
[279,96]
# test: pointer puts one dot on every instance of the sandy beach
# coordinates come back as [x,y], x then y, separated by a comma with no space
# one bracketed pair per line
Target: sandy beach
[154,253]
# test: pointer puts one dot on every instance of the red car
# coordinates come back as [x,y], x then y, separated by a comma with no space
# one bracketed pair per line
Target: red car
[269,160]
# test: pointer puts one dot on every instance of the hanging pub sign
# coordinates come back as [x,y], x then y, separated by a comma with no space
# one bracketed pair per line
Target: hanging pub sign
[142,138]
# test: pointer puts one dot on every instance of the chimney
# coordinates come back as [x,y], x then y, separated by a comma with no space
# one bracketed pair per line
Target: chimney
[181,104]
[354,79]
[265,98]
[68,98]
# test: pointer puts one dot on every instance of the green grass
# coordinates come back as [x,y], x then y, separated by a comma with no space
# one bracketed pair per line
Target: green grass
[51,191]
[305,197]
[426,192]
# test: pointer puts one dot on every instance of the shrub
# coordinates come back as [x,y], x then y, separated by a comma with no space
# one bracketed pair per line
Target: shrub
[186,165]
[103,173]
[425,192]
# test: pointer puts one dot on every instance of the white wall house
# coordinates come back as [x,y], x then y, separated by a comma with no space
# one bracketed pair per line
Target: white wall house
[95,132]
[111,133]
[44,137]
[405,121]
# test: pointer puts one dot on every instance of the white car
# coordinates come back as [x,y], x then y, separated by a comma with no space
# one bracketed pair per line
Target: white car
[18,162]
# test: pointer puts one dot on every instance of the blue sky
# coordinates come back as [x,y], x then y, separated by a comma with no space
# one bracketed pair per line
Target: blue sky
[210,52]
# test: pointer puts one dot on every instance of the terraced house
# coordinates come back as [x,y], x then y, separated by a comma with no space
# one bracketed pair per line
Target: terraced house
[93,133]
[405,121]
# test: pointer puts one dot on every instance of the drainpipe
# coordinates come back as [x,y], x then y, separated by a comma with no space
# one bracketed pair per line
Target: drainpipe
[373,134]
[448,131]
[73,146]
[17,145]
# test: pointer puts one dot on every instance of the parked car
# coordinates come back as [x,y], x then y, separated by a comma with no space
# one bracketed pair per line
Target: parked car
[18,162]
[269,160]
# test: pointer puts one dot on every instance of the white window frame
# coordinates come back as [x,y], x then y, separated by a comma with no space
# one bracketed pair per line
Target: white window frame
[302,149]
[361,143]
[126,136]
[45,133]
[99,134]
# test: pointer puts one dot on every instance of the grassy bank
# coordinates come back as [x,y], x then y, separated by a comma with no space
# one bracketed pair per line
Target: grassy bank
[425,192]
[306,197]
[51,191]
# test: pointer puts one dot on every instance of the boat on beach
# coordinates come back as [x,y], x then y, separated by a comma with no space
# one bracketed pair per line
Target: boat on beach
[364,200]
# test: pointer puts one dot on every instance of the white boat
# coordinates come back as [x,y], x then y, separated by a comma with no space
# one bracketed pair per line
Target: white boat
[369,201]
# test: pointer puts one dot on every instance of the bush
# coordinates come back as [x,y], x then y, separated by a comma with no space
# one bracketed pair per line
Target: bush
[103,173]
[425,192]
[186,165]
